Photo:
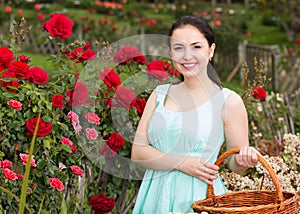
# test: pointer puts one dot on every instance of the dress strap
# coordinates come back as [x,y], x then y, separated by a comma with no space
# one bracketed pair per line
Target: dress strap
[161,92]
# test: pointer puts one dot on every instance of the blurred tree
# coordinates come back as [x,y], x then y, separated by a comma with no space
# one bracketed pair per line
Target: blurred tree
[288,12]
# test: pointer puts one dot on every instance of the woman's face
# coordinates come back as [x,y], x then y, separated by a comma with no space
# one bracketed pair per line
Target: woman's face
[190,50]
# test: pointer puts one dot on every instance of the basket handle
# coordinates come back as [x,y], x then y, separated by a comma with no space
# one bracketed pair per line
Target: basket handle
[221,158]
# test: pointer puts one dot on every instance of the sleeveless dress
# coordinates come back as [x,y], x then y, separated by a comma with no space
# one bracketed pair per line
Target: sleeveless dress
[198,132]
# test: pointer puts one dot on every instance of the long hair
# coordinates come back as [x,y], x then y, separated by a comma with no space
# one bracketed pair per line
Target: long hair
[207,31]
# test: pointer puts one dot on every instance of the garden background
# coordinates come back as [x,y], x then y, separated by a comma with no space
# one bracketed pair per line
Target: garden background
[46,54]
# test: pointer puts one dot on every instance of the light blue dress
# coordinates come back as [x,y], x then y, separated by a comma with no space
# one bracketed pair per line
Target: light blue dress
[199,132]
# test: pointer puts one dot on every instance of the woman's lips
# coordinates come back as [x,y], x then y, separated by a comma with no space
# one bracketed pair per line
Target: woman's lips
[188,66]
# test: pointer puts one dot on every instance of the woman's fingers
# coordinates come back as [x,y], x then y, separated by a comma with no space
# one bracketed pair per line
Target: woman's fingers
[247,156]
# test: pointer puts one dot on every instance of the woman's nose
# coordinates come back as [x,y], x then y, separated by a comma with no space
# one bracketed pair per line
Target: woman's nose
[188,53]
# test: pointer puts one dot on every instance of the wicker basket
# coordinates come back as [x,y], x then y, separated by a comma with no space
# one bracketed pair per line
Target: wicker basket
[248,201]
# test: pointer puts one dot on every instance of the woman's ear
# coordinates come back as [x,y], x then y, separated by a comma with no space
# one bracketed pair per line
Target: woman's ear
[212,50]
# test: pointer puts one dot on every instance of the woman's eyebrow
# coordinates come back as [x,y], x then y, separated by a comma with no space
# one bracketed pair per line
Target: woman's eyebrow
[177,44]
[194,43]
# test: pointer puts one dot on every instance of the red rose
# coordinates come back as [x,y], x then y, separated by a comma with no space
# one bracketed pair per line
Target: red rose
[158,69]
[113,144]
[43,130]
[125,97]
[15,104]
[56,183]
[79,95]
[102,204]
[8,9]
[174,72]
[129,54]
[39,76]
[6,57]
[57,100]
[76,170]
[24,59]
[9,174]
[21,70]
[9,84]
[259,93]
[140,104]
[59,26]
[40,17]
[297,41]
[110,77]
[81,55]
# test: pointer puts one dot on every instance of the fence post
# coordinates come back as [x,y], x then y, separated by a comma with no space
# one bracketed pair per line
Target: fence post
[275,50]
[242,55]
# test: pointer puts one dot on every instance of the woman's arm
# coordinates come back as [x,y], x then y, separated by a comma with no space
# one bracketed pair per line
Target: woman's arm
[236,134]
[150,157]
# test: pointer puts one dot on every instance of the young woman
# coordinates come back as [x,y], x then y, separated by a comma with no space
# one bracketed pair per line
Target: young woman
[184,125]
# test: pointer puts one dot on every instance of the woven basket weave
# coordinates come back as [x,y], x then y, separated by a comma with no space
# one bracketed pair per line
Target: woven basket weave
[248,201]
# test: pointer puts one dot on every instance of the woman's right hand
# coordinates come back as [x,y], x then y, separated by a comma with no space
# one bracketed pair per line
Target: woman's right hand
[195,166]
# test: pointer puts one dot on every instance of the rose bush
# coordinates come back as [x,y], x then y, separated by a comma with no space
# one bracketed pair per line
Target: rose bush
[80,108]
[87,116]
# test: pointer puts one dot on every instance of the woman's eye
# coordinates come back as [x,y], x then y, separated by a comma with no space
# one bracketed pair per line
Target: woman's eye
[177,48]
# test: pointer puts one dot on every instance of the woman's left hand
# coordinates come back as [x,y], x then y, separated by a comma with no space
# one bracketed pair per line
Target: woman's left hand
[247,157]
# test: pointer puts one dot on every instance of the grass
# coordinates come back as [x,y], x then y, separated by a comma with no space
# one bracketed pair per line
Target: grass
[39,60]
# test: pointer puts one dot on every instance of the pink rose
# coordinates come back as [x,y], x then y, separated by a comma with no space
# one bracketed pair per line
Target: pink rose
[76,170]
[56,183]
[9,174]
[92,118]
[15,104]
[5,164]
[91,133]
[68,142]
[73,117]
[24,158]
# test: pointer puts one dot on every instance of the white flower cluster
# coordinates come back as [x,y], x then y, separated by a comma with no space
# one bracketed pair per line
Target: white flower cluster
[292,151]
[286,169]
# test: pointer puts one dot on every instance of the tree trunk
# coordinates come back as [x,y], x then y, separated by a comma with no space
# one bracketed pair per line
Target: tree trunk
[228,2]
[213,2]
[246,2]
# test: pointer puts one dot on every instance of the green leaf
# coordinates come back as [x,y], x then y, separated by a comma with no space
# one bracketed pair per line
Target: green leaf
[34,109]
[6,38]
[63,209]
[47,143]
[47,118]
[1,155]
